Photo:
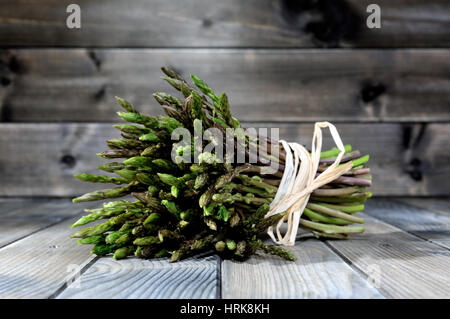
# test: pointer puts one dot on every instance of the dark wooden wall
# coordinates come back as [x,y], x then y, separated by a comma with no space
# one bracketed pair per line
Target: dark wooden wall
[284,63]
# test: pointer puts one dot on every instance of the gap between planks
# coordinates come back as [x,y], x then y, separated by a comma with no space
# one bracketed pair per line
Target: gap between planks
[147,279]
[418,219]
[317,273]
[36,265]
[25,217]
[440,205]
[72,278]
[402,264]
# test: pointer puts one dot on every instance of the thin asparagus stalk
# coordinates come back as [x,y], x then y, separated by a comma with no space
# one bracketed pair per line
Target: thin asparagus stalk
[332,229]
[346,208]
[334,213]
[346,158]
[335,152]
[278,251]
[336,191]
[101,179]
[317,217]
[353,198]
[105,194]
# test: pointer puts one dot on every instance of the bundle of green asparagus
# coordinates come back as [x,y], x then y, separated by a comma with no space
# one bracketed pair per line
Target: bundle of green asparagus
[182,208]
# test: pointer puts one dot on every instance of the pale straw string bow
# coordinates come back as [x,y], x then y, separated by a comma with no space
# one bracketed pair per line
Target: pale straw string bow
[299,181]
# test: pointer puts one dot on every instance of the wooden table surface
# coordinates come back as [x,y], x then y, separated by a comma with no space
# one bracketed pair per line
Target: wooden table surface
[404,253]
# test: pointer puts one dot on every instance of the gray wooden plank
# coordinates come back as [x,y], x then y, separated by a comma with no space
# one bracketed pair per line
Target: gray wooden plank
[41,159]
[441,205]
[200,23]
[400,264]
[9,205]
[425,223]
[317,273]
[147,279]
[262,85]
[16,206]
[40,264]
[32,216]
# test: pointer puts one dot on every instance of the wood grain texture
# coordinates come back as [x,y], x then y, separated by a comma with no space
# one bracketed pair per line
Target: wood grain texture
[234,23]
[422,222]
[38,265]
[317,273]
[262,85]
[399,264]
[31,216]
[147,279]
[41,159]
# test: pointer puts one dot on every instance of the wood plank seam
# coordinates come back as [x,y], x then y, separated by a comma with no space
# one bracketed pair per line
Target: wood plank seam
[36,266]
[140,278]
[420,237]
[353,266]
[415,206]
[218,270]
[219,278]
[40,204]
[317,273]
[72,277]
[412,232]
[361,264]
[36,231]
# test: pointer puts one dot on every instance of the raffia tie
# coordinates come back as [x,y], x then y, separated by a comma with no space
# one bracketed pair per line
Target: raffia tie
[299,181]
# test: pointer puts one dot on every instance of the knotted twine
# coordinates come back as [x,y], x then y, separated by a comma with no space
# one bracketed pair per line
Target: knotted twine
[299,181]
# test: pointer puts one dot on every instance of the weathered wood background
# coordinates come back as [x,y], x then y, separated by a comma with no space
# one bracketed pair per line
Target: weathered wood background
[284,63]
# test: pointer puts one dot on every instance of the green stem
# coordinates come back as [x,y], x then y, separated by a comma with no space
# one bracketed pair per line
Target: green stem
[335,151]
[336,191]
[351,208]
[316,217]
[332,229]
[334,213]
